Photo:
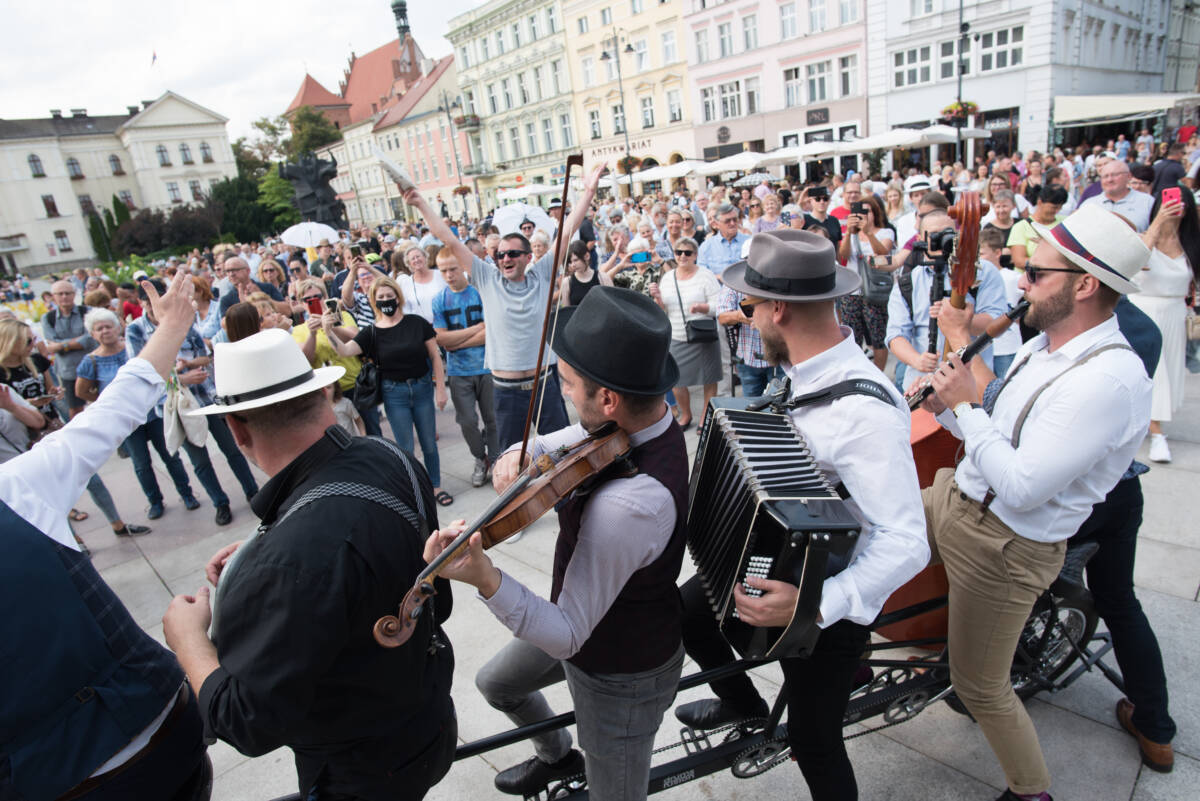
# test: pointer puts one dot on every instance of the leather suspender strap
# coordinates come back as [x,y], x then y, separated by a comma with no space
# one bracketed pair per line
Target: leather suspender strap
[1016,434]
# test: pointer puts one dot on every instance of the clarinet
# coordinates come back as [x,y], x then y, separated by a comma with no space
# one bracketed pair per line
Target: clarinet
[998,327]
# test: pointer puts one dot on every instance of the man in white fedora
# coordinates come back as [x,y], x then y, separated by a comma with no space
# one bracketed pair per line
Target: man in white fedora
[292,660]
[1061,431]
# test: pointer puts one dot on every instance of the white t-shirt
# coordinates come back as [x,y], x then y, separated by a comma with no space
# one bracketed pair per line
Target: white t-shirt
[418,298]
[703,287]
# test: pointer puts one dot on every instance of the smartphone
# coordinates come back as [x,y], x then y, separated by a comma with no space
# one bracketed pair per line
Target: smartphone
[314,306]
[356,249]
[785,218]
[331,305]
[640,258]
[858,208]
[1170,195]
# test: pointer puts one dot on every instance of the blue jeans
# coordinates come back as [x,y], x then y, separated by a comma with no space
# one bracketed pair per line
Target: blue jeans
[151,433]
[410,403]
[755,379]
[1000,364]
[103,498]
[237,462]
[512,404]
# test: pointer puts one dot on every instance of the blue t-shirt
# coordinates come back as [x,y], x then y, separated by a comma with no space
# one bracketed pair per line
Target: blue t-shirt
[455,311]
[101,369]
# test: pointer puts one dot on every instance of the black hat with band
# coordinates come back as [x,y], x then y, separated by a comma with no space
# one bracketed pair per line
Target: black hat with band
[791,265]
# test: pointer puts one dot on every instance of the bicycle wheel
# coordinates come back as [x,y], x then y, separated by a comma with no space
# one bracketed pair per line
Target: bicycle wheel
[1071,621]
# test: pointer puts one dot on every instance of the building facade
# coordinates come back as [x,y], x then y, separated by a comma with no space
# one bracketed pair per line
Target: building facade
[646,106]
[1017,56]
[1183,48]
[766,74]
[512,59]
[54,171]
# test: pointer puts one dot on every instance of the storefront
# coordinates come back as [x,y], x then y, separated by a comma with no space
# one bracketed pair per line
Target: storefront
[1004,126]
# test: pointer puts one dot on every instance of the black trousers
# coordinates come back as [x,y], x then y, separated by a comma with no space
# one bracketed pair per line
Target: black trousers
[819,688]
[1113,525]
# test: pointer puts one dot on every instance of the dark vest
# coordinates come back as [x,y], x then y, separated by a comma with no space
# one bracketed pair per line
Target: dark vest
[80,678]
[642,628]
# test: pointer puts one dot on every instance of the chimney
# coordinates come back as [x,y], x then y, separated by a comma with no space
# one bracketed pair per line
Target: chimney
[147,104]
[79,113]
[56,113]
[400,12]
[132,110]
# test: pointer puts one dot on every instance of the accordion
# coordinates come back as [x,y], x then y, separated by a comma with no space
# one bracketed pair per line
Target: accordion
[758,506]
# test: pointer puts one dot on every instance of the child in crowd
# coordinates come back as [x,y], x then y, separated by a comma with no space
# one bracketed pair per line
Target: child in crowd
[347,416]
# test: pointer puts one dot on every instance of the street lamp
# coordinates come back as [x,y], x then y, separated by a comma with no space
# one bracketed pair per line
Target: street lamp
[607,56]
[963,38]
[445,107]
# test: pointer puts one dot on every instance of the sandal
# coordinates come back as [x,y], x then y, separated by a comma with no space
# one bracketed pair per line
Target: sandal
[77,516]
[444,498]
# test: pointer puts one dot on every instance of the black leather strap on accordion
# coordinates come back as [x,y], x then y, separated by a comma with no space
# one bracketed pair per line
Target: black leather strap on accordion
[853,386]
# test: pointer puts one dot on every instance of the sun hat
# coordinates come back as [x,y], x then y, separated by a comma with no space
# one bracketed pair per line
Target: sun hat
[1100,242]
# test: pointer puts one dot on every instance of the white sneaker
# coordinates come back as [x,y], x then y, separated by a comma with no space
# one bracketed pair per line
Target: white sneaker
[1159,452]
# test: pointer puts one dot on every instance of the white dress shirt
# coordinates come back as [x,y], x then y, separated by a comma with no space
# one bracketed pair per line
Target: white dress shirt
[863,443]
[1076,443]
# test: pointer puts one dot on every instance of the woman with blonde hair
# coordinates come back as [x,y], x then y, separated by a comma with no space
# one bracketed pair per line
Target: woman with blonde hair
[402,346]
[893,201]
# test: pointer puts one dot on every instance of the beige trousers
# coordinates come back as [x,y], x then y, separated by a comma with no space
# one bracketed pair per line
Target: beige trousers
[995,577]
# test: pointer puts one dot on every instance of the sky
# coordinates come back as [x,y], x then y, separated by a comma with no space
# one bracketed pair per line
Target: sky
[244,60]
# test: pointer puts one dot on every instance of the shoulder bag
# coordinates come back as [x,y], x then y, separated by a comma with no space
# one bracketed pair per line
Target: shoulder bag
[702,330]
[368,387]
[876,284]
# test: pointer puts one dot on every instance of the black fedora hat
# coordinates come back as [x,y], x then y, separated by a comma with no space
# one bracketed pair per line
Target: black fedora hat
[791,265]
[620,339]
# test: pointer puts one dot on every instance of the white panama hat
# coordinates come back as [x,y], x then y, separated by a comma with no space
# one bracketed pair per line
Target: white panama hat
[262,370]
[1101,243]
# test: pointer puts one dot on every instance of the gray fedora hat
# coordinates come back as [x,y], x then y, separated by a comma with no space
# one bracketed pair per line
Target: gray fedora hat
[791,265]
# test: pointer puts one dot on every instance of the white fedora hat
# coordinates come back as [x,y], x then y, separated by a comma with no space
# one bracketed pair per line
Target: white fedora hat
[261,370]
[1101,243]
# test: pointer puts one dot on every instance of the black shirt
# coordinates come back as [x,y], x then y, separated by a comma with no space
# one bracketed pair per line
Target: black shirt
[398,351]
[232,297]
[299,664]
[1167,173]
[830,223]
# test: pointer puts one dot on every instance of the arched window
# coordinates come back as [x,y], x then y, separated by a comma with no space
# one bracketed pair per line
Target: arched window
[73,168]
[114,161]
[205,153]
[185,154]
[35,166]
[164,157]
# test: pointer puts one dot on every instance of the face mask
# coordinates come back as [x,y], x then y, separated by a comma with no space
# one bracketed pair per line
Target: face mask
[387,307]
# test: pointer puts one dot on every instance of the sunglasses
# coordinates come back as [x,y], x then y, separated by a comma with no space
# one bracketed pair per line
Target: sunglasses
[510,254]
[295,270]
[747,305]
[1032,271]
[312,297]
[682,253]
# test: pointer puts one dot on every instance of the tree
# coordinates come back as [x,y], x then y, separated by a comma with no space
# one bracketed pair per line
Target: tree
[100,238]
[310,131]
[249,165]
[275,195]
[120,210]
[272,143]
[110,224]
[234,202]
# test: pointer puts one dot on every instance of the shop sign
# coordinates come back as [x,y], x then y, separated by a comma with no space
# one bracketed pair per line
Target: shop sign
[817,116]
[723,134]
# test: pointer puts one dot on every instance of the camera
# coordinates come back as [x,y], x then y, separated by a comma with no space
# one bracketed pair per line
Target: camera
[940,242]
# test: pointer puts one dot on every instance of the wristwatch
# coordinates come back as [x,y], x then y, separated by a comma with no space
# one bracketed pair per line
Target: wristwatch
[962,408]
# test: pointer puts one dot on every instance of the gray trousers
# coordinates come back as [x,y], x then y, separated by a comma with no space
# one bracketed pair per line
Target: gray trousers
[617,715]
[467,392]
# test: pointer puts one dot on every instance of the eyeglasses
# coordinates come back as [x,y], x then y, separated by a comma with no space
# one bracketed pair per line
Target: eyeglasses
[510,254]
[312,297]
[747,305]
[822,199]
[682,253]
[1032,271]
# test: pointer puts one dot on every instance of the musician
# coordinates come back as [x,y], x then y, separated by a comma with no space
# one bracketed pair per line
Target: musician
[612,623]
[292,660]
[791,280]
[1034,466]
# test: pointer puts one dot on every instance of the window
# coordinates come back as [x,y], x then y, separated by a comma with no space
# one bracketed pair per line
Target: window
[911,67]
[753,95]
[62,241]
[587,67]
[618,115]
[73,168]
[164,157]
[537,82]
[521,88]
[533,32]
[636,6]
[787,21]
[606,16]
[946,58]
[708,102]
[86,205]
[492,104]
[725,39]
[449,166]
[675,105]
[114,162]
[1002,49]
[556,76]
[506,90]
[173,192]
[185,154]
[514,139]
[669,52]
[548,134]
[702,46]
[921,7]
[793,88]
[731,99]
[531,138]
[847,11]
[647,105]
[552,19]
[848,75]
[583,24]
[428,137]
[610,63]
[750,31]
[564,123]
[206,153]
[433,168]
[500,146]
[126,197]
[469,102]
[516,35]
[483,49]
[594,123]
[641,56]
[50,206]
[197,192]
[35,166]
[816,15]
[464,57]
[818,75]
[499,43]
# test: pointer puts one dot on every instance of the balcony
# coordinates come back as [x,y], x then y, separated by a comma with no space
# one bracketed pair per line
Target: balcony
[11,243]
[475,169]
[467,122]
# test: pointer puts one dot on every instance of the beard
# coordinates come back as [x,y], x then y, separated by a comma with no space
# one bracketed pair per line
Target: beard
[1054,309]
[775,349]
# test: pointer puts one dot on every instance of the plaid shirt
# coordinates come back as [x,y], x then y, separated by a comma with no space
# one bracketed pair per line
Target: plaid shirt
[749,343]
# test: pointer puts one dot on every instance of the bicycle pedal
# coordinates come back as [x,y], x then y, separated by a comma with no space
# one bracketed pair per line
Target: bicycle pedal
[694,741]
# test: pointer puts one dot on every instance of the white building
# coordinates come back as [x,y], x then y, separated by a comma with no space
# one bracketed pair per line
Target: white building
[54,170]
[1019,55]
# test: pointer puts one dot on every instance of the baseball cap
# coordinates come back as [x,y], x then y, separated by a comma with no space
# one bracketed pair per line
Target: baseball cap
[373,258]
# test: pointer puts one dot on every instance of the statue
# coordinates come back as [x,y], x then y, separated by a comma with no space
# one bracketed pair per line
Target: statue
[315,199]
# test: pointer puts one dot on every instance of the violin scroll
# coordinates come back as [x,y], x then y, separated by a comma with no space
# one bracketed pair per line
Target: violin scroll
[392,631]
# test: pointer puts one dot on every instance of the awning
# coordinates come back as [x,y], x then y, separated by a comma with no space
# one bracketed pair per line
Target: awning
[1073,111]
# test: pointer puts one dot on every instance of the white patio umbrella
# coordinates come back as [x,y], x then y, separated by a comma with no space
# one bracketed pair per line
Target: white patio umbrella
[746,161]
[680,169]
[947,134]
[512,193]
[308,234]
[754,178]
[508,218]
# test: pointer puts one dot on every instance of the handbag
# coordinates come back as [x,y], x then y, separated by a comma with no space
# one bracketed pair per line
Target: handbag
[368,387]
[178,425]
[876,284]
[702,330]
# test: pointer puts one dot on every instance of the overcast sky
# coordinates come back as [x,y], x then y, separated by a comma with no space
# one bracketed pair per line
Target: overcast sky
[244,59]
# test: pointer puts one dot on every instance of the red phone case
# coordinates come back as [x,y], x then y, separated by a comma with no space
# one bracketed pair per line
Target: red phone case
[1170,195]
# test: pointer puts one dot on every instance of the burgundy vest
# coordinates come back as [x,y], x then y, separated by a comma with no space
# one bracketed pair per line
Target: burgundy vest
[642,628]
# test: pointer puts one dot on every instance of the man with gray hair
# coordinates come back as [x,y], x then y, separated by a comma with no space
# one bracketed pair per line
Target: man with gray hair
[724,248]
[237,270]
[67,338]
[1116,196]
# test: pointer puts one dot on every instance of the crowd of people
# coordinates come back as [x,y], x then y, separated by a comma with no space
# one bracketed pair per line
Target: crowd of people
[283,356]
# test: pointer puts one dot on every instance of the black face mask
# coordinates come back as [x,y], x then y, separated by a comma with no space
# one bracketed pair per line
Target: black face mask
[387,307]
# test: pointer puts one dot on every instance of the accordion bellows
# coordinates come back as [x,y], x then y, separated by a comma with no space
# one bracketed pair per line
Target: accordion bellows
[759,506]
